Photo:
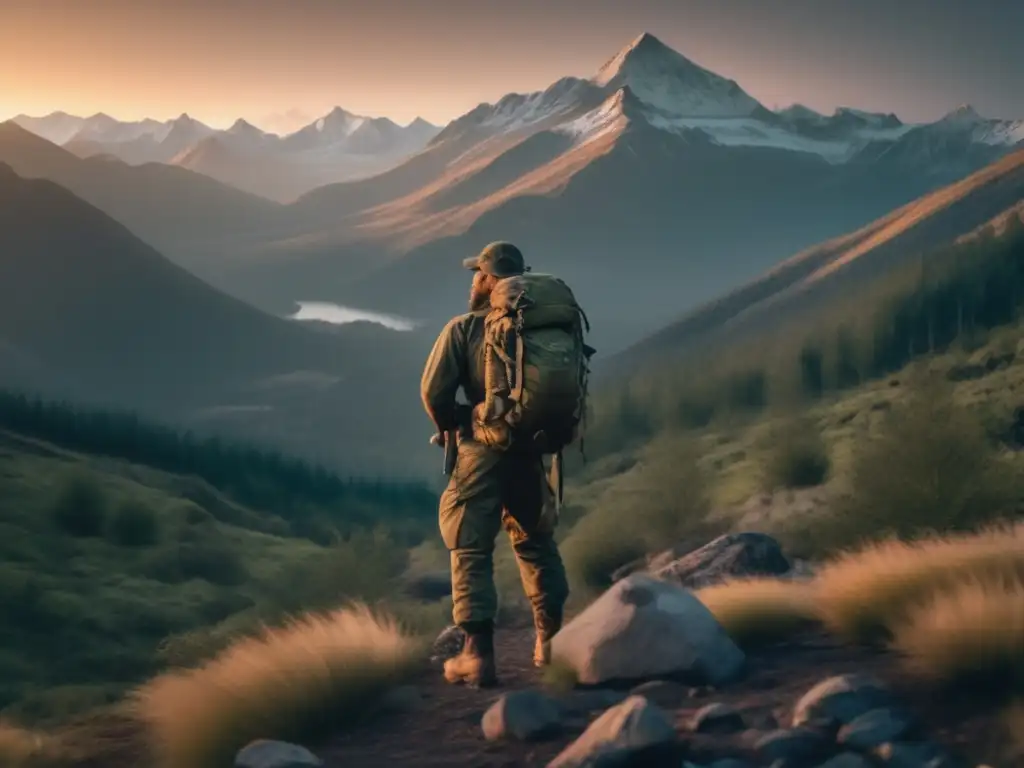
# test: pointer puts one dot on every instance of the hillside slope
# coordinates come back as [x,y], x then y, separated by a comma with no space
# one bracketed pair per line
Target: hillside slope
[171,208]
[89,311]
[814,276]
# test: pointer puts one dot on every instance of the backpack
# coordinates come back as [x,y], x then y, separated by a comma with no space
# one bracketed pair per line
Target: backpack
[536,367]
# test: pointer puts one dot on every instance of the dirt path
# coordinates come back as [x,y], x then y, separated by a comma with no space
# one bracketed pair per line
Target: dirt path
[445,729]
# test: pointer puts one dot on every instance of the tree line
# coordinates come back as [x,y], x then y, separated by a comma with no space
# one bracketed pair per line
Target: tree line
[924,307]
[260,477]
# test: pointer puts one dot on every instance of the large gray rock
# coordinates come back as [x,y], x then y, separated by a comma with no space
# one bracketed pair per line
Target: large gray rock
[275,754]
[633,732]
[842,698]
[734,555]
[847,760]
[643,627]
[522,715]
[717,718]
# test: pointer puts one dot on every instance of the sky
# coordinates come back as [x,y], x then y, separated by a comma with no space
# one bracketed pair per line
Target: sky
[219,60]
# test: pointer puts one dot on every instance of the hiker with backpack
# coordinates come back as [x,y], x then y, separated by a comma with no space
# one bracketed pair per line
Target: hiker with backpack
[520,359]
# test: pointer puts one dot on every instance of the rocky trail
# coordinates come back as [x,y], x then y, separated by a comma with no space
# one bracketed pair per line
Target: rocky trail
[437,725]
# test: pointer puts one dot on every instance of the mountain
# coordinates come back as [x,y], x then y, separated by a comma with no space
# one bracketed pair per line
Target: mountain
[336,147]
[835,269]
[183,213]
[91,313]
[652,185]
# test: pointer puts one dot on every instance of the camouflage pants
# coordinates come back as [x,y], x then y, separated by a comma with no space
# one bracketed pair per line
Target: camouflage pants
[489,490]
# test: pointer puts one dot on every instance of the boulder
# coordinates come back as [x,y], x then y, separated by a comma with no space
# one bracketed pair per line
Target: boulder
[717,718]
[874,728]
[734,555]
[275,754]
[842,698]
[642,628]
[634,732]
[522,715]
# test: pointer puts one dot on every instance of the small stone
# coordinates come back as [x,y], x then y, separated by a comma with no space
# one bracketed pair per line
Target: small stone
[731,762]
[664,693]
[633,732]
[266,753]
[874,728]
[590,699]
[905,754]
[717,718]
[522,715]
[847,760]
[794,746]
[843,698]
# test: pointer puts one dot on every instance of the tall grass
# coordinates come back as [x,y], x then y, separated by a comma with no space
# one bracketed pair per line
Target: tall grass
[755,611]
[971,635]
[860,595]
[296,683]
[22,748]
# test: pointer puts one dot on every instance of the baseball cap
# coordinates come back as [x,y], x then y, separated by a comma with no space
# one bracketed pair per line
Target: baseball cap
[500,259]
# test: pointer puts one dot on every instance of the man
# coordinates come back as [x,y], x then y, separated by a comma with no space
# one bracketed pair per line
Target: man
[489,489]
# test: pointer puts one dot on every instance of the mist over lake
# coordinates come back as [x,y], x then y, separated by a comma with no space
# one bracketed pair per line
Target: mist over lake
[327,312]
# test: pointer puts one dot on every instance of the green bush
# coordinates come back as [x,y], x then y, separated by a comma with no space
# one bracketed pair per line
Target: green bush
[79,507]
[929,468]
[661,503]
[212,559]
[134,524]
[794,455]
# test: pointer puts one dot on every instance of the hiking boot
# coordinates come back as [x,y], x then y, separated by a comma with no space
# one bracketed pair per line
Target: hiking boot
[474,666]
[547,626]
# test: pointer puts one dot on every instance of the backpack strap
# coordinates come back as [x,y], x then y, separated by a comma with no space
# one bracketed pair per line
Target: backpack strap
[516,394]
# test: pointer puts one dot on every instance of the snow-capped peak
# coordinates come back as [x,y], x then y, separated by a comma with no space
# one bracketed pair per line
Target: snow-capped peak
[800,112]
[964,114]
[668,81]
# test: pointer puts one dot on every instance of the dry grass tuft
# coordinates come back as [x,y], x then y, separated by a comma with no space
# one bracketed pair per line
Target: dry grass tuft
[295,683]
[972,634]
[22,748]
[755,611]
[861,595]
[1013,725]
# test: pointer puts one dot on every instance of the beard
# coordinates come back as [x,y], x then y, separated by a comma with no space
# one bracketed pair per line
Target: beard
[478,299]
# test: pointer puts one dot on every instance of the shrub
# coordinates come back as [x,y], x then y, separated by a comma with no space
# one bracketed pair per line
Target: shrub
[794,455]
[293,683]
[861,595]
[212,559]
[971,634]
[929,469]
[21,748]
[756,611]
[79,507]
[134,524]
[660,503]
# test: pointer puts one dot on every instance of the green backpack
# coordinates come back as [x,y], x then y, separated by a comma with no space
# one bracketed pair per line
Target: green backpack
[536,366]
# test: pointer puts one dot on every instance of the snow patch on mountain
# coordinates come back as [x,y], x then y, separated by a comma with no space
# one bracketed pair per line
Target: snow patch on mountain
[671,83]
[982,130]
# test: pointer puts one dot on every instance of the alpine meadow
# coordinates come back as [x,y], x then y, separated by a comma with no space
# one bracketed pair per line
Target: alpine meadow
[742,385]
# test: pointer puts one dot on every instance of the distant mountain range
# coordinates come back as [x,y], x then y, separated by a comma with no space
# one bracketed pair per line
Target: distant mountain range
[335,147]
[653,186]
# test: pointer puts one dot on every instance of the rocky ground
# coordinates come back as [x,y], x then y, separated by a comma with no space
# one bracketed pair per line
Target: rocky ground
[752,722]
[661,684]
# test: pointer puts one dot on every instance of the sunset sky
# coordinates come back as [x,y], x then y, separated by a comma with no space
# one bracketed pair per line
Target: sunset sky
[221,59]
